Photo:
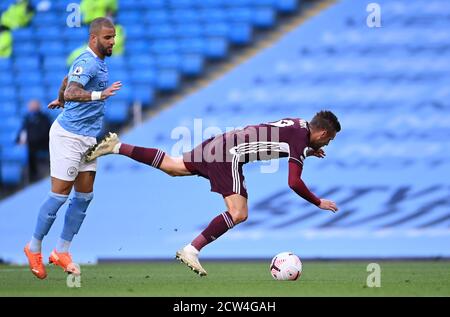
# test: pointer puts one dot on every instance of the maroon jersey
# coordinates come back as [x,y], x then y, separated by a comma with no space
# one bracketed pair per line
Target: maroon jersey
[284,138]
[220,158]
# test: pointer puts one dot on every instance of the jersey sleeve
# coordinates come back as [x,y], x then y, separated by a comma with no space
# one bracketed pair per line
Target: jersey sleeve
[83,71]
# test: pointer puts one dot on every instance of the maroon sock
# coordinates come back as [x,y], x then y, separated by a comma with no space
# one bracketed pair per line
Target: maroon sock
[217,227]
[149,156]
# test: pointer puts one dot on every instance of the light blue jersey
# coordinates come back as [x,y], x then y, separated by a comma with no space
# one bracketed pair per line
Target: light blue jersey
[86,118]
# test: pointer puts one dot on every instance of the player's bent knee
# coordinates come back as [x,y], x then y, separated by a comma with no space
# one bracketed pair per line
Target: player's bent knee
[238,216]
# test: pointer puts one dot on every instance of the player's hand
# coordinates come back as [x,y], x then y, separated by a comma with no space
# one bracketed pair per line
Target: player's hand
[320,153]
[55,104]
[326,204]
[111,90]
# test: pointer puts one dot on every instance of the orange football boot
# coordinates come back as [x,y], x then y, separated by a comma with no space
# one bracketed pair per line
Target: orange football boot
[35,261]
[64,260]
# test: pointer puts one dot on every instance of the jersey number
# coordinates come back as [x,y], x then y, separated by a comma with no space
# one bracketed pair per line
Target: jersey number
[282,123]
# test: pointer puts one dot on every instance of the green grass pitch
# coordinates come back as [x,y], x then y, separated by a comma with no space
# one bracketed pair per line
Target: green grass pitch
[172,279]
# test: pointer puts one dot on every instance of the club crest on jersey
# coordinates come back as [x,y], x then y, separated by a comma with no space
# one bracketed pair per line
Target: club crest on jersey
[78,71]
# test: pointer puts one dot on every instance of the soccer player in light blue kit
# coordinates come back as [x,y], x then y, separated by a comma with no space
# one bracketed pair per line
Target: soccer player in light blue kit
[82,95]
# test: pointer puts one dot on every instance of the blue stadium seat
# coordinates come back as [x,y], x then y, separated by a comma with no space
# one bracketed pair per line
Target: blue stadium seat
[240,33]
[238,3]
[211,3]
[52,48]
[143,76]
[243,15]
[129,18]
[7,139]
[116,62]
[116,111]
[181,4]
[216,29]
[5,65]
[48,18]
[47,32]
[11,124]
[264,17]
[25,78]
[141,61]
[287,6]
[192,64]
[23,34]
[138,47]
[54,77]
[24,49]
[55,63]
[188,30]
[7,109]
[75,34]
[184,16]
[154,4]
[144,94]
[166,61]
[212,15]
[8,93]
[167,80]
[156,17]
[162,31]
[192,45]
[6,80]
[216,48]
[32,92]
[28,63]
[11,173]
[135,32]
[131,5]
[164,46]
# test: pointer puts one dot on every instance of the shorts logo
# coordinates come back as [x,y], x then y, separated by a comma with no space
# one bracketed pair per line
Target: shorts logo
[78,71]
[71,171]
[244,185]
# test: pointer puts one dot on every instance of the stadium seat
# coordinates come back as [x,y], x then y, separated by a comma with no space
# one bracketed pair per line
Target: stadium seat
[264,17]
[192,64]
[15,153]
[162,31]
[287,6]
[29,63]
[167,80]
[11,173]
[156,17]
[116,111]
[144,94]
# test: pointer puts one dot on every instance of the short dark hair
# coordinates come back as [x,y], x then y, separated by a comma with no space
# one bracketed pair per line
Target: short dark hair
[325,120]
[98,23]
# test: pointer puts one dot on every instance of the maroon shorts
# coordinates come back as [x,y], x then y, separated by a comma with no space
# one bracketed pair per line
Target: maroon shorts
[226,178]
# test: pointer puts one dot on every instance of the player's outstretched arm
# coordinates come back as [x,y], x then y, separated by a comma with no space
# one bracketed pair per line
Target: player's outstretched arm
[297,185]
[75,92]
[59,102]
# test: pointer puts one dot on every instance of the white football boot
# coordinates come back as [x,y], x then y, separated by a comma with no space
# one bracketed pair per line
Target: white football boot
[189,256]
[104,147]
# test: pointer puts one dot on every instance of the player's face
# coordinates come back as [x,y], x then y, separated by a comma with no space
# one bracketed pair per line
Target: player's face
[323,138]
[106,41]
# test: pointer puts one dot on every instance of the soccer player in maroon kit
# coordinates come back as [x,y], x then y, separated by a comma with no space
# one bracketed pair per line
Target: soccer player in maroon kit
[220,159]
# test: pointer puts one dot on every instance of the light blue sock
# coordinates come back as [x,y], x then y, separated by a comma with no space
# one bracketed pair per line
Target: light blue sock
[75,214]
[46,217]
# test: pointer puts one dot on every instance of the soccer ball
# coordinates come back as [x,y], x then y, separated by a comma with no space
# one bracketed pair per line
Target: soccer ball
[286,266]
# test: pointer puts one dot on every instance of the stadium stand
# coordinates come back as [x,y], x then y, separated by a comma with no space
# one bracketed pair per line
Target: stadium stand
[387,170]
[168,41]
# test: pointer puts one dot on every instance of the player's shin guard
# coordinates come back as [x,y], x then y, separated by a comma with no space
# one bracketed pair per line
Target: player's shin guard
[149,156]
[217,227]
[75,214]
[47,214]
